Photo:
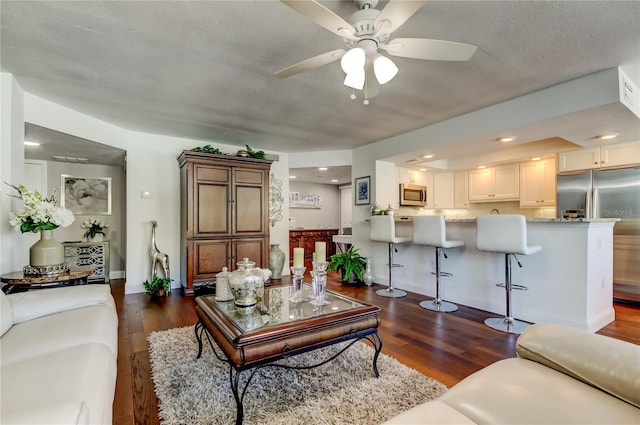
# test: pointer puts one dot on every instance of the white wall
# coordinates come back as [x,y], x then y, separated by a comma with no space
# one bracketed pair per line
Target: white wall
[11,170]
[327,216]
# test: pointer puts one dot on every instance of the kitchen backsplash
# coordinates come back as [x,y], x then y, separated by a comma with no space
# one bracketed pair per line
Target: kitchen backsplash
[475,210]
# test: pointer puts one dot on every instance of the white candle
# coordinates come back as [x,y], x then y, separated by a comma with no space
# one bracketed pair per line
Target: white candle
[321,252]
[298,257]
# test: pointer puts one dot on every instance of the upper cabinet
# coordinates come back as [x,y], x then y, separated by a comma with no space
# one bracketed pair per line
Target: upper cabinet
[538,183]
[620,154]
[461,189]
[498,183]
[443,193]
[409,176]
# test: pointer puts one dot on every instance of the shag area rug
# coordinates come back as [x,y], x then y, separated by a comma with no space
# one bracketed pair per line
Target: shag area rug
[343,391]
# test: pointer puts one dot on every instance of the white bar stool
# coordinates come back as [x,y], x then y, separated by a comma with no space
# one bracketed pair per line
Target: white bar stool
[507,234]
[431,231]
[383,229]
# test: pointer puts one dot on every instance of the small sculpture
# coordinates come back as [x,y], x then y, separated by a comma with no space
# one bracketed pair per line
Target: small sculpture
[157,257]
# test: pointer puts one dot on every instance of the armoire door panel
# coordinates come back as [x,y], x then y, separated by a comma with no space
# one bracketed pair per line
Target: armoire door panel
[255,249]
[211,219]
[249,210]
[213,174]
[210,257]
[248,176]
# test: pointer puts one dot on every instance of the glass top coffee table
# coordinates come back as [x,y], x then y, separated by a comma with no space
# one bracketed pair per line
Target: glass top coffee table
[277,328]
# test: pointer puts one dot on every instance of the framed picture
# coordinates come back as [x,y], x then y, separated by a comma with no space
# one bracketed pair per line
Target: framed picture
[86,195]
[363,190]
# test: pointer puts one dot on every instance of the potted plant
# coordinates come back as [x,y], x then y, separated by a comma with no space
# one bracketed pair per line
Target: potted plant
[94,227]
[350,263]
[158,286]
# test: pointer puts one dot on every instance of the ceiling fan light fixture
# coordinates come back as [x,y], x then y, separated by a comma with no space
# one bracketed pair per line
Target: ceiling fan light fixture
[353,60]
[355,80]
[384,69]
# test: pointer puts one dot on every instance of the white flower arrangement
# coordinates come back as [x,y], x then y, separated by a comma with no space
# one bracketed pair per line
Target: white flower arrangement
[93,227]
[39,213]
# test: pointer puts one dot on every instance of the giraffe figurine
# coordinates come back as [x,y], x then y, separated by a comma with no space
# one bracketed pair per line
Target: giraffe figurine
[157,257]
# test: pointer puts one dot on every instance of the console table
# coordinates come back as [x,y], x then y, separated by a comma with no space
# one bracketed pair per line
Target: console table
[89,254]
[19,282]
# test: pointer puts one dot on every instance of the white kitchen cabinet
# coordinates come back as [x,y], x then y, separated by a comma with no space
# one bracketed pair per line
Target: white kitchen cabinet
[620,154]
[499,183]
[538,183]
[443,190]
[409,176]
[461,189]
[428,181]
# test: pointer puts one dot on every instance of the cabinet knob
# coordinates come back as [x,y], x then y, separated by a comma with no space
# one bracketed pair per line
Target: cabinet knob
[596,163]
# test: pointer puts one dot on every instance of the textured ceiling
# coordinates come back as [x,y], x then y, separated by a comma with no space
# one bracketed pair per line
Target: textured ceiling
[204,70]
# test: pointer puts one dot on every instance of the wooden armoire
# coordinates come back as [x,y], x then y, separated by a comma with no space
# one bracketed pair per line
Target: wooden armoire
[224,214]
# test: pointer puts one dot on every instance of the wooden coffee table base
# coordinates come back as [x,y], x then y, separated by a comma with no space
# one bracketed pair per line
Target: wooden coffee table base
[370,335]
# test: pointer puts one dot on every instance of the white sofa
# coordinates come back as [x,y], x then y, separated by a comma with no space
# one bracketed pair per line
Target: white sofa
[561,376]
[58,352]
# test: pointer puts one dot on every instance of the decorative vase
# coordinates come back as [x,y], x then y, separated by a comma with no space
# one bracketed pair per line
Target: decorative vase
[276,261]
[99,237]
[246,283]
[367,278]
[47,251]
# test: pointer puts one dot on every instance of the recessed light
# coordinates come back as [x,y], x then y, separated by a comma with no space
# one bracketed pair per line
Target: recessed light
[429,156]
[536,158]
[323,168]
[507,139]
[26,143]
[334,180]
[422,169]
[482,166]
[292,177]
[608,136]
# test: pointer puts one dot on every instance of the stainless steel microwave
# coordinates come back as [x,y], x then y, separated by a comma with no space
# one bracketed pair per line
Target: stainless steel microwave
[413,195]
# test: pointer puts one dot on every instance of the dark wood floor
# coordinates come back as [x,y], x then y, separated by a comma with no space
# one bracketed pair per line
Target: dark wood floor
[447,347]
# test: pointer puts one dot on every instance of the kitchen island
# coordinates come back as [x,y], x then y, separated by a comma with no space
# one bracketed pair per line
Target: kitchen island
[570,281]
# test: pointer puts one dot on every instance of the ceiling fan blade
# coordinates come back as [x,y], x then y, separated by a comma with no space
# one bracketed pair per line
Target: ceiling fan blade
[321,16]
[397,12]
[314,62]
[423,48]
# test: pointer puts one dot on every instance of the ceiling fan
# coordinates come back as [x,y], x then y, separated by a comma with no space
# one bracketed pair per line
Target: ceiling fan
[366,32]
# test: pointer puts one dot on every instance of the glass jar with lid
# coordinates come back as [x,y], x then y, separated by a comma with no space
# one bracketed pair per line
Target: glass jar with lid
[246,283]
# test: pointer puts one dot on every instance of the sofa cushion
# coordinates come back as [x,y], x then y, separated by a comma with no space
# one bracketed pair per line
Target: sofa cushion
[96,324]
[519,391]
[6,314]
[434,412]
[42,302]
[609,364]
[85,373]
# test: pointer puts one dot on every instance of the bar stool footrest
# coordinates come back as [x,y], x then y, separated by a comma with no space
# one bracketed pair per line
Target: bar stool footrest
[514,286]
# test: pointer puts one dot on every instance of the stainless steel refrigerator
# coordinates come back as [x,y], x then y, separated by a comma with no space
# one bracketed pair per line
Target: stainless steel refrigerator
[609,194]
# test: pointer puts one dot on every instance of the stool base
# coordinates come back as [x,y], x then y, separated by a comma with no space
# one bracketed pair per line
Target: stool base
[391,293]
[439,305]
[506,324]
